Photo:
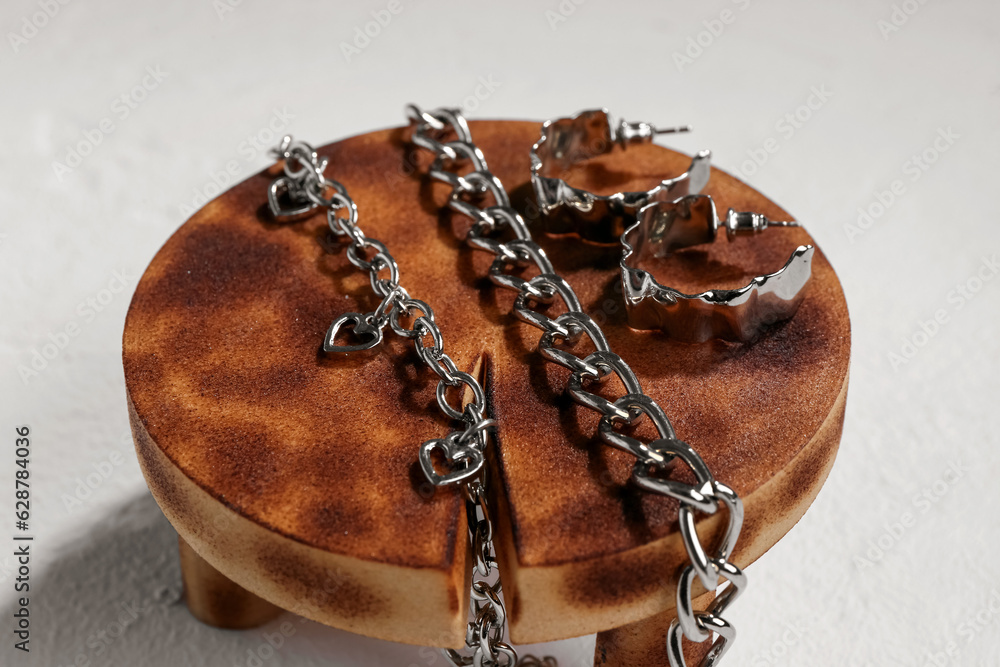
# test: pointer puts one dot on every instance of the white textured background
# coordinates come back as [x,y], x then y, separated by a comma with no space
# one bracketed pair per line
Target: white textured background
[848,586]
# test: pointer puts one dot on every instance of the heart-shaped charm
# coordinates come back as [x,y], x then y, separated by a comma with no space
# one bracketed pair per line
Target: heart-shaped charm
[286,207]
[363,330]
[462,461]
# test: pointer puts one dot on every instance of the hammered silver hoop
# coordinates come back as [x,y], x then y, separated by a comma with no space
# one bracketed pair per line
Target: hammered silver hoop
[741,314]
[596,218]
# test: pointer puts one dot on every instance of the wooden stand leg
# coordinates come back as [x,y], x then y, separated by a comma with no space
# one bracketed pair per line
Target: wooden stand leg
[645,642]
[215,600]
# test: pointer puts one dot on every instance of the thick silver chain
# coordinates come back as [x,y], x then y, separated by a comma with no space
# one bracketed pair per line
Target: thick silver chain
[303,188]
[462,165]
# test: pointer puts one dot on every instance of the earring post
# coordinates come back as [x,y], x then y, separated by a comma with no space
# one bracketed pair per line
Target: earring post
[671,130]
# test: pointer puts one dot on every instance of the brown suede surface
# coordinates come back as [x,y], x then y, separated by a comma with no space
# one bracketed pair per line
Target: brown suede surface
[223,363]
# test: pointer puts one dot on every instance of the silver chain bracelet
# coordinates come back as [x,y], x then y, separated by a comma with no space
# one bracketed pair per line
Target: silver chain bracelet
[654,459]
[304,188]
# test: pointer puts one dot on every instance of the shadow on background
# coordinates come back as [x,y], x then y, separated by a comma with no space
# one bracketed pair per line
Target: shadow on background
[116,599]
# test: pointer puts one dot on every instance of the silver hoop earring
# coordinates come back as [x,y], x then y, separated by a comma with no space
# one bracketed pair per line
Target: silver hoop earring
[730,314]
[601,218]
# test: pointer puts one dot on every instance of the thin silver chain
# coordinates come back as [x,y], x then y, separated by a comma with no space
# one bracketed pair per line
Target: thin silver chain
[306,187]
[462,165]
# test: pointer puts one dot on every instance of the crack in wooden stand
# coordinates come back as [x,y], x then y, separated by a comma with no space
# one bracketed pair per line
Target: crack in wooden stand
[294,476]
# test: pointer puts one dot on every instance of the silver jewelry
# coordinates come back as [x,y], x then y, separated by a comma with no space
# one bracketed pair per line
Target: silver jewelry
[560,333]
[732,314]
[303,189]
[300,192]
[599,218]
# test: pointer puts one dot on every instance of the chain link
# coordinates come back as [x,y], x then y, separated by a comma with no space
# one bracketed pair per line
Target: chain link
[658,460]
[485,634]
[305,187]
[305,183]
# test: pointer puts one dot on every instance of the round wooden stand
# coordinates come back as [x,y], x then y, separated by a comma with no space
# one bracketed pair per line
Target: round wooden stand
[294,475]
